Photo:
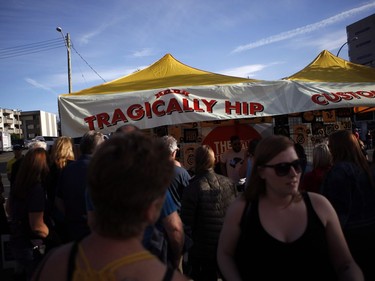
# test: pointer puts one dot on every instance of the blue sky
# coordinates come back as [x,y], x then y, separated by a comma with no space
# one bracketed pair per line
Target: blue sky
[268,39]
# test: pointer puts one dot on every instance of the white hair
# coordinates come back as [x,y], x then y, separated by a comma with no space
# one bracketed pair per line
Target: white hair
[38,143]
[171,142]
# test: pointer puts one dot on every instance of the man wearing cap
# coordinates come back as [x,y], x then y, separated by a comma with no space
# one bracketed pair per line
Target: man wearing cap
[17,151]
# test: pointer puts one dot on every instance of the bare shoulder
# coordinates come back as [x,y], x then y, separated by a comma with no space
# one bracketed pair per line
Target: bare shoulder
[318,200]
[56,264]
[236,208]
[322,206]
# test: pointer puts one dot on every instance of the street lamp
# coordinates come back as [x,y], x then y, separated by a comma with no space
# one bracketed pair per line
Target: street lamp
[351,40]
[67,44]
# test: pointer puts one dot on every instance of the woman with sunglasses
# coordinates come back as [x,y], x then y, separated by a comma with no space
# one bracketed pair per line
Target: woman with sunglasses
[274,230]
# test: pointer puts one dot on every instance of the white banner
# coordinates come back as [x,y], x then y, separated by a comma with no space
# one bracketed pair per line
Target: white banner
[176,105]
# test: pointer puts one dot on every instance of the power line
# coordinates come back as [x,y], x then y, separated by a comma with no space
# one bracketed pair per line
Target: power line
[30,48]
[87,63]
[16,54]
[31,44]
[38,47]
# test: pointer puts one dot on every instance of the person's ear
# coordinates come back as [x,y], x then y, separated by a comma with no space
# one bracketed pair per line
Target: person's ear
[174,154]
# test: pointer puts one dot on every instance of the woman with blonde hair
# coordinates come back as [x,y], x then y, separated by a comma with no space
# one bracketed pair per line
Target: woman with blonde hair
[62,152]
[61,155]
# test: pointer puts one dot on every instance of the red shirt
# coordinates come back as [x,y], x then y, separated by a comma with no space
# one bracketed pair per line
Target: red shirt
[312,181]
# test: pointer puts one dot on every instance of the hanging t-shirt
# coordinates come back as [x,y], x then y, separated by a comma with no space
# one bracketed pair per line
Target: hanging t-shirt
[233,161]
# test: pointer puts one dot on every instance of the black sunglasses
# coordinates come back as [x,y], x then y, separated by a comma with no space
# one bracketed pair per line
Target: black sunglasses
[282,169]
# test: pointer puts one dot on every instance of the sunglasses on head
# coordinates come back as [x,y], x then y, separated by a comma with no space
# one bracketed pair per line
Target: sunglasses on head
[283,169]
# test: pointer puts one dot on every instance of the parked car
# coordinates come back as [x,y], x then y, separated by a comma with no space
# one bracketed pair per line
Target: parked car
[20,142]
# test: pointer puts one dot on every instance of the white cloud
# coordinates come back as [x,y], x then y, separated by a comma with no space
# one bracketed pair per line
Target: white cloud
[145,52]
[112,74]
[304,29]
[330,41]
[39,85]
[87,37]
[244,71]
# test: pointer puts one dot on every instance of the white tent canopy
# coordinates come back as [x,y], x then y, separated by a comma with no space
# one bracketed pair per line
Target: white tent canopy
[169,92]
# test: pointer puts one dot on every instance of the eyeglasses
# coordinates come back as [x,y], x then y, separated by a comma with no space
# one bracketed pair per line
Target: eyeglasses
[282,169]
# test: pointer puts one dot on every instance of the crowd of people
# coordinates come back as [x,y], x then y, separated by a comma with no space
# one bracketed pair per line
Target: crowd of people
[125,208]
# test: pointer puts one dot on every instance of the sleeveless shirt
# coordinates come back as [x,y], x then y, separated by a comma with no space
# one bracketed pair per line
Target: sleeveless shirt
[107,273]
[259,255]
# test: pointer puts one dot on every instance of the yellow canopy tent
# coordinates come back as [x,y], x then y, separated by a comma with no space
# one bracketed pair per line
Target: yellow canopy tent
[132,98]
[169,92]
[326,67]
[166,72]
[329,68]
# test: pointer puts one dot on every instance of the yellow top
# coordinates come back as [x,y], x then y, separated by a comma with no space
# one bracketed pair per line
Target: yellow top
[107,273]
[10,164]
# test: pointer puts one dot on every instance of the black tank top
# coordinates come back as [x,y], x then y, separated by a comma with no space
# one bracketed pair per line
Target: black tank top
[259,255]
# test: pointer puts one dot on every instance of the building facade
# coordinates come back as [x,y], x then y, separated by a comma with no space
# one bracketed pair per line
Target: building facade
[39,123]
[11,122]
[361,41]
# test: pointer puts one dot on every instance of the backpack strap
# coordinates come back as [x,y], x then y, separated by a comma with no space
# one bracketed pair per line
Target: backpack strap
[39,269]
[168,274]
[71,260]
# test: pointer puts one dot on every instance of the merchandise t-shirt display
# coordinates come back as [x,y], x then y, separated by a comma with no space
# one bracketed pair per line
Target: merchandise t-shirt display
[233,161]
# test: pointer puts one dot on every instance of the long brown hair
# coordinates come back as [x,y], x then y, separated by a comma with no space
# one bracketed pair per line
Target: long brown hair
[33,170]
[344,147]
[204,159]
[266,150]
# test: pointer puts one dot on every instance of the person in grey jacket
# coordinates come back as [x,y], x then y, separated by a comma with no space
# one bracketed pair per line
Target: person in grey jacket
[204,204]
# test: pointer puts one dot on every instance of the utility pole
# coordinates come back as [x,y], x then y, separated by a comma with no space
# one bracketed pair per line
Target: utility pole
[68,45]
[69,62]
